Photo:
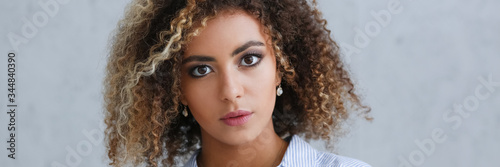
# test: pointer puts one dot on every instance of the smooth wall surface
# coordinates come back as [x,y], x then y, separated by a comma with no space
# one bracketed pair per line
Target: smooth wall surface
[429,70]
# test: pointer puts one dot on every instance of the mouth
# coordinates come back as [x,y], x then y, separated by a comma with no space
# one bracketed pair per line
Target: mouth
[236,118]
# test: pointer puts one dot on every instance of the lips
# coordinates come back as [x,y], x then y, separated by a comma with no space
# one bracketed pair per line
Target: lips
[237,118]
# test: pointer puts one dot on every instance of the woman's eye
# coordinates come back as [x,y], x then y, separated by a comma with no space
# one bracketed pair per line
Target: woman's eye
[201,71]
[250,60]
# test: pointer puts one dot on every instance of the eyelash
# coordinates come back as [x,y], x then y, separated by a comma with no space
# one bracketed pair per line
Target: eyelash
[256,55]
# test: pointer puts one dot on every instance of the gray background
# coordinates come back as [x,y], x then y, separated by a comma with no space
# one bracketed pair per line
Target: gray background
[412,70]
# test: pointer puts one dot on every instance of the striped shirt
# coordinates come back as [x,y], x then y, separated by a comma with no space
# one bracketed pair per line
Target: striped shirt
[301,154]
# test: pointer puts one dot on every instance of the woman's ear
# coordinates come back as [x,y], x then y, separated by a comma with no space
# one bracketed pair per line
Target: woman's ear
[183,100]
[278,77]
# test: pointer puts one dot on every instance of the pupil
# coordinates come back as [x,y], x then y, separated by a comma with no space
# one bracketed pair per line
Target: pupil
[248,60]
[202,70]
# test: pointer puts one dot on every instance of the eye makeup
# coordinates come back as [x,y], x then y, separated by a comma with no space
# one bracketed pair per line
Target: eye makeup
[254,57]
[197,70]
[249,59]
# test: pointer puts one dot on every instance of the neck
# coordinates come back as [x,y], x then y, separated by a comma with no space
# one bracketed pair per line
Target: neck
[266,150]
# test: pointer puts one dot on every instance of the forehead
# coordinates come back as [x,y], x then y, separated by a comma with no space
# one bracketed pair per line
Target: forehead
[227,30]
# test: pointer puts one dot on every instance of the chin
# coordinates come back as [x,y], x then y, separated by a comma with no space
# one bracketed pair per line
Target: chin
[239,138]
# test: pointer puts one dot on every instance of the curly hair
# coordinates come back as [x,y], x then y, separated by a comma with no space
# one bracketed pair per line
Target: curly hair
[142,86]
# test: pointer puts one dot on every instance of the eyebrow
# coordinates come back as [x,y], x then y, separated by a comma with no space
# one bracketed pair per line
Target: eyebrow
[246,46]
[235,52]
[197,58]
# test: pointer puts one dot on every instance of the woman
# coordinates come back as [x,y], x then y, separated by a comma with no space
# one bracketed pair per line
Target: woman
[229,82]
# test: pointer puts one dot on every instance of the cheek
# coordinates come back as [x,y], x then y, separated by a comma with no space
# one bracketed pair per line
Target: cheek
[200,98]
[261,85]
[197,93]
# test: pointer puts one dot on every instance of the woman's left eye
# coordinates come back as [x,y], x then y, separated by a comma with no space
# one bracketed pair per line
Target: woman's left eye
[250,60]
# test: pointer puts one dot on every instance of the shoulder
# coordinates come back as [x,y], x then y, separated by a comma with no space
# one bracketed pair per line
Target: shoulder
[300,153]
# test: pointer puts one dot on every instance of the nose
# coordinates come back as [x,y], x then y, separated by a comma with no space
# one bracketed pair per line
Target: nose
[231,88]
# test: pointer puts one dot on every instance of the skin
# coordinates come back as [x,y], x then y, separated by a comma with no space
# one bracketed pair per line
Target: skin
[231,66]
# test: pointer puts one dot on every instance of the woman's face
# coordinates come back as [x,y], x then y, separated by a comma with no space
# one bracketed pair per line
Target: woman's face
[229,78]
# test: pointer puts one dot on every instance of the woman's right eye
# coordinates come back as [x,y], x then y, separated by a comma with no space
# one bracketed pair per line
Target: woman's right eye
[200,71]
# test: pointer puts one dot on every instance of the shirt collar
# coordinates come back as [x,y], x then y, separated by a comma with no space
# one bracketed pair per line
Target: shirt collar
[299,153]
[192,161]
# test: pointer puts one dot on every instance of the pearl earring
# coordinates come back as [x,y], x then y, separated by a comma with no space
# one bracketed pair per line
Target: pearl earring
[279,90]
[185,112]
